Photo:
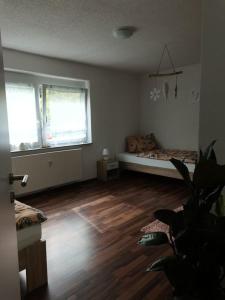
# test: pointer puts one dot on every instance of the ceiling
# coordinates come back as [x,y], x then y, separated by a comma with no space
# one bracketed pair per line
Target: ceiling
[81,30]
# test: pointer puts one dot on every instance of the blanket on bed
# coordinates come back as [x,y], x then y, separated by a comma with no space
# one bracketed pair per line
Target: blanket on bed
[167,154]
[26,215]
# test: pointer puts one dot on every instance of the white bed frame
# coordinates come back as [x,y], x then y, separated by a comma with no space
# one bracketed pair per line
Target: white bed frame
[152,166]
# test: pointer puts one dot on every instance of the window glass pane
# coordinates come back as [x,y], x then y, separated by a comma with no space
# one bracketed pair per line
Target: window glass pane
[65,115]
[23,125]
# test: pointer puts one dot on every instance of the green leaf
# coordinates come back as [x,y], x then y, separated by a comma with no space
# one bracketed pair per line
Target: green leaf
[209,152]
[186,241]
[220,225]
[161,264]
[165,215]
[209,236]
[220,206]
[213,156]
[183,170]
[154,238]
[179,272]
[207,219]
[201,155]
[178,223]
[208,174]
[173,219]
[211,198]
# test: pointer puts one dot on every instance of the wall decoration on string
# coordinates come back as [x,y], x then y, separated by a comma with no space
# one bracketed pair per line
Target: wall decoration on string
[166,89]
[195,94]
[158,74]
[155,94]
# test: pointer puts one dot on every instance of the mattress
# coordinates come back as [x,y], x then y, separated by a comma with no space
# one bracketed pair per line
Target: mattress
[166,154]
[133,158]
[28,236]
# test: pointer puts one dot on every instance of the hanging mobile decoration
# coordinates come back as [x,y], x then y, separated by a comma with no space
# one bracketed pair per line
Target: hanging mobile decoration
[155,93]
[176,88]
[166,89]
[195,96]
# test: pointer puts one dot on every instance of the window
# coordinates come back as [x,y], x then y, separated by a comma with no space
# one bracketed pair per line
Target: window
[65,115]
[45,115]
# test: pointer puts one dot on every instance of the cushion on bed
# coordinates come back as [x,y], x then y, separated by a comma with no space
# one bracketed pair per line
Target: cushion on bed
[26,215]
[131,144]
[151,142]
[139,143]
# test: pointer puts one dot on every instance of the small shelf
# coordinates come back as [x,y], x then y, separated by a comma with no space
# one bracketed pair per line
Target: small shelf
[107,169]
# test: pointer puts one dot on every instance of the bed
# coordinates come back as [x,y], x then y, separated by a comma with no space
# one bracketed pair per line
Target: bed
[157,162]
[31,246]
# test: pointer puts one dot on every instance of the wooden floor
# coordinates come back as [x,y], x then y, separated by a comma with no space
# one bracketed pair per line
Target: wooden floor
[92,233]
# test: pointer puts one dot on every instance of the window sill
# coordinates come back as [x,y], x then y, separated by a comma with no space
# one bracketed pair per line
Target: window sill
[48,149]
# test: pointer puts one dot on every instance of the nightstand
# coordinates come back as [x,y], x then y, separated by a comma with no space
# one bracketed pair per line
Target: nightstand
[107,169]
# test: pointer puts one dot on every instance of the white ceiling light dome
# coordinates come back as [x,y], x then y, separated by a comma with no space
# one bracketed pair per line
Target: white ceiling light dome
[124,32]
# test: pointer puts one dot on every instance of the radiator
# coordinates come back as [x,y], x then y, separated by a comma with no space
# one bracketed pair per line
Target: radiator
[48,169]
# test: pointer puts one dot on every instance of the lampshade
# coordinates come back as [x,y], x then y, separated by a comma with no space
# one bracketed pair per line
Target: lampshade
[105,152]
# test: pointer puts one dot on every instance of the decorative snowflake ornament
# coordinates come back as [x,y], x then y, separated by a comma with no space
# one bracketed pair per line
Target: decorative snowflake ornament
[155,94]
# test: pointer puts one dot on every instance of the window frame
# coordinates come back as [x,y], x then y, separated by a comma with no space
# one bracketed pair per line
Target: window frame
[38,81]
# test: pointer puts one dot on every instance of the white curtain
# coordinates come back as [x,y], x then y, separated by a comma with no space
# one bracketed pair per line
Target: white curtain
[22,117]
[64,115]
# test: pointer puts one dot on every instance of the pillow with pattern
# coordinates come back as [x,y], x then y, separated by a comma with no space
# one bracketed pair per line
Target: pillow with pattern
[141,144]
[132,144]
[151,142]
[138,143]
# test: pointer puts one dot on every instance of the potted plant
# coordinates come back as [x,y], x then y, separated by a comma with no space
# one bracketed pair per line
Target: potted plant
[196,269]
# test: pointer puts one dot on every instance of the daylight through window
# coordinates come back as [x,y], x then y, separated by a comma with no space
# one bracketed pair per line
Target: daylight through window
[41,116]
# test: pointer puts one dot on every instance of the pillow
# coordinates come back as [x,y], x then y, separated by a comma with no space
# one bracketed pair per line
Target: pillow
[138,144]
[150,142]
[132,144]
[141,144]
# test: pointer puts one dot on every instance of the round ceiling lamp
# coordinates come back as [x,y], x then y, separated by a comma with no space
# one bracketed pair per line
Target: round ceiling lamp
[124,32]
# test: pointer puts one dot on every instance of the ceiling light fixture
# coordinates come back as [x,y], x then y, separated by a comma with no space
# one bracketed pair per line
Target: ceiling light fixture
[124,32]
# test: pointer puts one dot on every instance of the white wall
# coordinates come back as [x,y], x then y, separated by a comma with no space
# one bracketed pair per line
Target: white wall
[114,100]
[175,122]
[212,110]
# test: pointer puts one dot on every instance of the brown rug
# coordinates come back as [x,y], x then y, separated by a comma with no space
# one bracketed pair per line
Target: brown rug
[157,226]
[105,214]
